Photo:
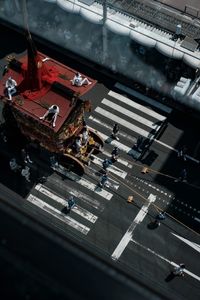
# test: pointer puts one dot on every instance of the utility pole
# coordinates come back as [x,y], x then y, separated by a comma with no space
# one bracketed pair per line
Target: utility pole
[104,32]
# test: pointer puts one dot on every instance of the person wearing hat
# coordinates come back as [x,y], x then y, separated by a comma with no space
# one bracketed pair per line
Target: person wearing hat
[11,87]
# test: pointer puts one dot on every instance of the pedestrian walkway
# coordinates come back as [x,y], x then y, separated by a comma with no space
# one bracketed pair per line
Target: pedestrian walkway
[134,119]
[141,118]
[54,204]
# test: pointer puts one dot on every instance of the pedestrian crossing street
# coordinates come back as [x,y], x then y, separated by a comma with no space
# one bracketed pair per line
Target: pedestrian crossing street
[134,118]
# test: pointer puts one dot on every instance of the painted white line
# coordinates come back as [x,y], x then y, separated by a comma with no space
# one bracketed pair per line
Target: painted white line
[165,259]
[124,123]
[189,243]
[143,98]
[132,139]
[121,146]
[57,214]
[83,182]
[129,113]
[77,209]
[119,160]
[91,201]
[113,169]
[140,107]
[128,235]
[111,183]
[165,145]
[197,219]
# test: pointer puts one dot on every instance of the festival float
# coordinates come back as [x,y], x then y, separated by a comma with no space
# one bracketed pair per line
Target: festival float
[42,83]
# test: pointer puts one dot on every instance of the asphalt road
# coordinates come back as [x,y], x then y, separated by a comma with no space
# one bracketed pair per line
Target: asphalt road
[103,223]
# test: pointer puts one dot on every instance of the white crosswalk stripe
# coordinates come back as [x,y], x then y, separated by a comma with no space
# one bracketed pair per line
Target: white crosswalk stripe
[129,113]
[85,198]
[111,183]
[115,143]
[84,182]
[140,107]
[109,127]
[58,214]
[113,169]
[77,209]
[103,112]
[144,98]
[119,160]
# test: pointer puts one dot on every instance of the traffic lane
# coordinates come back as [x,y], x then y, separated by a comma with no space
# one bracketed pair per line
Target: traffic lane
[112,224]
[154,270]
[167,201]
[57,258]
[112,215]
[158,257]
[167,240]
[178,132]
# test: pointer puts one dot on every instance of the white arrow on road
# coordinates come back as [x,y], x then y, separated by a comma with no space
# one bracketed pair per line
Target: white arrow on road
[189,243]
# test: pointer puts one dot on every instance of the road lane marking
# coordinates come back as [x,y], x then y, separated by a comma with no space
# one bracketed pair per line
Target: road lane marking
[189,243]
[58,214]
[83,182]
[122,122]
[197,219]
[133,139]
[119,160]
[130,138]
[134,104]
[143,98]
[115,143]
[91,201]
[77,209]
[165,259]
[128,235]
[113,169]
[111,183]
[129,113]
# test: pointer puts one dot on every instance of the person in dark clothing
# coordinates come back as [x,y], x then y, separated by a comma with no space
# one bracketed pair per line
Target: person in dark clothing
[161,216]
[178,271]
[103,180]
[182,176]
[106,163]
[181,154]
[114,154]
[139,143]
[70,203]
[115,131]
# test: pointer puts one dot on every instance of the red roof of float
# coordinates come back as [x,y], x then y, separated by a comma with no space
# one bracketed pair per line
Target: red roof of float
[34,102]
